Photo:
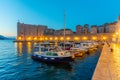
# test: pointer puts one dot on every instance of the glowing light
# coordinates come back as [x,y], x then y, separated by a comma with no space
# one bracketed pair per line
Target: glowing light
[35,38]
[46,38]
[29,47]
[20,48]
[51,38]
[41,38]
[19,38]
[114,35]
[68,38]
[61,38]
[29,43]
[56,38]
[29,38]
[94,38]
[104,38]
[76,38]
[84,38]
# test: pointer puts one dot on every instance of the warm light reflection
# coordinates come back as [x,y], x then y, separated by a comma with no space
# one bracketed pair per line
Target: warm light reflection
[20,48]
[29,46]
[29,38]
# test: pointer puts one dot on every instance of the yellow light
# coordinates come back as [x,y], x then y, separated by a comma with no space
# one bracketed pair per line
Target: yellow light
[20,47]
[84,38]
[68,38]
[61,38]
[20,43]
[41,38]
[19,38]
[29,47]
[29,38]
[46,38]
[104,38]
[94,38]
[51,38]
[56,38]
[113,35]
[116,33]
[76,38]
[35,38]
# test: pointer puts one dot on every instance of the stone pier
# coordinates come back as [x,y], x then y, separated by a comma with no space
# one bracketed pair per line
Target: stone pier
[108,66]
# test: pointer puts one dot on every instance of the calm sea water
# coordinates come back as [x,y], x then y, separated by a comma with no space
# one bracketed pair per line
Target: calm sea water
[16,64]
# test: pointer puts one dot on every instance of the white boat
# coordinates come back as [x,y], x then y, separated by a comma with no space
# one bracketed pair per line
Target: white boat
[77,50]
[52,55]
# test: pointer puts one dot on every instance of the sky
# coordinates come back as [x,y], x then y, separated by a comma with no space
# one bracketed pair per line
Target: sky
[51,13]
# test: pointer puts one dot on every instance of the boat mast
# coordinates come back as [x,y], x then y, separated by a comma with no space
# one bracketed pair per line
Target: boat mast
[64,27]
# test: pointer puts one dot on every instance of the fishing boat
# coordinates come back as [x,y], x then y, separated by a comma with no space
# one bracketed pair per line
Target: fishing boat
[90,46]
[77,50]
[52,55]
[66,45]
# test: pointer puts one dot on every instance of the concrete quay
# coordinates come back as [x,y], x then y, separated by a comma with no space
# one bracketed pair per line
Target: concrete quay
[108,66]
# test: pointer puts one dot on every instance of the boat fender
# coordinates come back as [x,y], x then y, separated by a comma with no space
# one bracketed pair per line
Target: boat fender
[61,53]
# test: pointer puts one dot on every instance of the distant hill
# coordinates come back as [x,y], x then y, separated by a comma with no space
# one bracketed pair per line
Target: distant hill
[6,38]
[2,37]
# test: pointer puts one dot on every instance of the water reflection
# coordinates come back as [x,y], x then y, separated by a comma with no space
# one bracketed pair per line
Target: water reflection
[29,47]
[81,67]
[24,47]
[65,66]
[82,57]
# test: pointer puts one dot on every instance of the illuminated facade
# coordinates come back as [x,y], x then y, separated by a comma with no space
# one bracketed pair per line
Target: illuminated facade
[93,30]
[101,29]
[79,29]
[27,31]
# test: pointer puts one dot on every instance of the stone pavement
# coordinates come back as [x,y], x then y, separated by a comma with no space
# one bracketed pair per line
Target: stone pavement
[108,66]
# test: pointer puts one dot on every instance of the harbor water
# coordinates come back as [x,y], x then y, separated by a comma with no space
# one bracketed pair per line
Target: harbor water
[16,64]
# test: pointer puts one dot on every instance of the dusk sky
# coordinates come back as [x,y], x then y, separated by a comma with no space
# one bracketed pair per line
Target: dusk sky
[50,13]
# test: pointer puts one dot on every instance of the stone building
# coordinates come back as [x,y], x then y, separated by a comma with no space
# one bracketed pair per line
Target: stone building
[93,29]
[79,29]
[112,27]
[27,30]
[49,31]
[61,32]
[86,29]
[100,29]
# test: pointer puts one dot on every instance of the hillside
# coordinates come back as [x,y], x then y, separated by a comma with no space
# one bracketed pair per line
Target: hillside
[2,37]
[6,38]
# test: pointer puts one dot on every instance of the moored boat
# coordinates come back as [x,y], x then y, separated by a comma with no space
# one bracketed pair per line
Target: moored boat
[54,55]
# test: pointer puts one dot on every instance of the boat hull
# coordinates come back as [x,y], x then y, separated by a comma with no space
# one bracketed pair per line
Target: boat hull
[52,59]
